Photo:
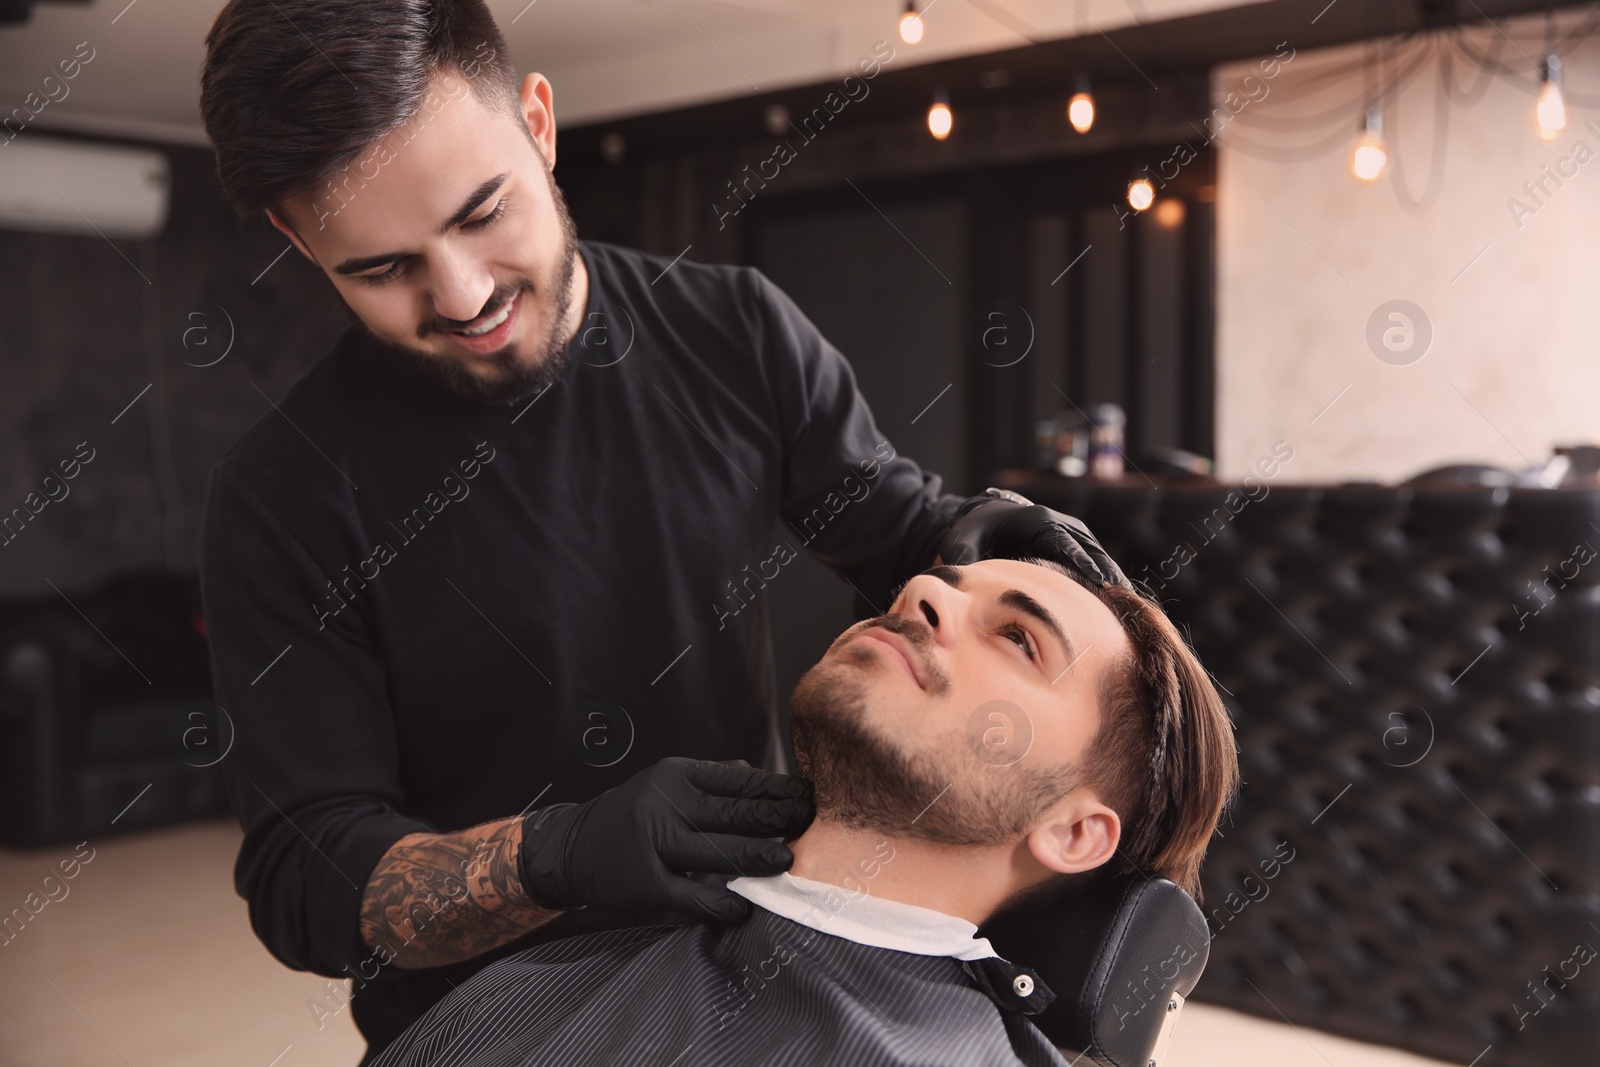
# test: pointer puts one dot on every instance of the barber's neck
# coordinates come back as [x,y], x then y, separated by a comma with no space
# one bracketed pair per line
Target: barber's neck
[963,880]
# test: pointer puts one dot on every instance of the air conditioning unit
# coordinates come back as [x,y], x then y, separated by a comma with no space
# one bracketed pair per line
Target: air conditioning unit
[82,187]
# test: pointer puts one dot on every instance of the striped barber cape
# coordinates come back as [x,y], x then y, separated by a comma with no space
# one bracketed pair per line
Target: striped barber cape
[816,975]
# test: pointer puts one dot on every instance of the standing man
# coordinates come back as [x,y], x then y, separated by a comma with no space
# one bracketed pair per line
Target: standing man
[470,585]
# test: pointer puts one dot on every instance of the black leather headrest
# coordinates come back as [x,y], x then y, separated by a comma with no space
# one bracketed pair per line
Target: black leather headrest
[1121,956]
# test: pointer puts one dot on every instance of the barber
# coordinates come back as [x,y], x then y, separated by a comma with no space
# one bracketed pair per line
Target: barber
[482,608]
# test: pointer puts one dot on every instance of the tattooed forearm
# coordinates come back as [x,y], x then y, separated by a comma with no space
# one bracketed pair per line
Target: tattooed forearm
[439,898]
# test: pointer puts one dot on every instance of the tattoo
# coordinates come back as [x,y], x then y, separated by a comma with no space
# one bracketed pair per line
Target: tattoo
[441,898]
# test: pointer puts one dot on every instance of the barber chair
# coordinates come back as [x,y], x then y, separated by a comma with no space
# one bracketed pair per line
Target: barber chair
[1121,957]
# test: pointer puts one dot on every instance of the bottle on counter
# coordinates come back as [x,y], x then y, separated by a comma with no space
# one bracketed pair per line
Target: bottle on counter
[1061,444]
[1105,441]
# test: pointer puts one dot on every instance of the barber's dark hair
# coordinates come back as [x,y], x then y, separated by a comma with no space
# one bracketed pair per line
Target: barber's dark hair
[1164,757]
[292,91]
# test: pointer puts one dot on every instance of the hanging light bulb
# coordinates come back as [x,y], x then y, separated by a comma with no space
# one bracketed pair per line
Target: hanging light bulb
[911,24]
[1369,158]
[1367,161]
[1080,109]
[939,118]
[1080,112]
[1141,194]
[1550,113]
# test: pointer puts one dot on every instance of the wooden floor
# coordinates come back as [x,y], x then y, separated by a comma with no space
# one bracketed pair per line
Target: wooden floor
[148,959]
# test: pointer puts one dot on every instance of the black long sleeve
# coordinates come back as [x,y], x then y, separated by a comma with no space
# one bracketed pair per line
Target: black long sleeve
[315,777]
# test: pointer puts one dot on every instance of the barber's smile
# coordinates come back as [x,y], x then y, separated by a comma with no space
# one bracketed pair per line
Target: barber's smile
[896,647]
[501,323]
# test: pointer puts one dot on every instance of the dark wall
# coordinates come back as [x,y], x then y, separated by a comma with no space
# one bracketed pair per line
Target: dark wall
[88,324]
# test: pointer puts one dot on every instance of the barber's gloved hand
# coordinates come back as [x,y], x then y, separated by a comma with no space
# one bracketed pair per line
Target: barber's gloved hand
[628,849]
[1005,525]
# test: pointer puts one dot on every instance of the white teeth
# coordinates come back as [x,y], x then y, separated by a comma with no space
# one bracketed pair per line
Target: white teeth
[491,324]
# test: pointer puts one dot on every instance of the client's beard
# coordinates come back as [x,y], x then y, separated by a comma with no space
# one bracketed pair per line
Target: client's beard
[864,781]
[519,376]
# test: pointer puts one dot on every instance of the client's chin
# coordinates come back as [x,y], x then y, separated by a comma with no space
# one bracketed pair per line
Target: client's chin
[943,794]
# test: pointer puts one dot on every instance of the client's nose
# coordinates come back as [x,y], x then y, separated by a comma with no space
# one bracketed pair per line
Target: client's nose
[932,601]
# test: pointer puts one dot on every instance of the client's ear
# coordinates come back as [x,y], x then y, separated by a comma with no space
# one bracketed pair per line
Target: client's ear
[1079,834]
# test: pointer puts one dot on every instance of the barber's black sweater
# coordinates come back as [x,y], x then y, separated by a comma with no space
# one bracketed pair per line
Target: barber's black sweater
[426,613]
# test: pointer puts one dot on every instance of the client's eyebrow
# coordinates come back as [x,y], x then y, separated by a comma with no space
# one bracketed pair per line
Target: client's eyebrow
[1016,598]
[1019,601]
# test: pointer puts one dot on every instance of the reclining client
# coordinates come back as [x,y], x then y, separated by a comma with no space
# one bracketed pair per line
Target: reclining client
[1006,729]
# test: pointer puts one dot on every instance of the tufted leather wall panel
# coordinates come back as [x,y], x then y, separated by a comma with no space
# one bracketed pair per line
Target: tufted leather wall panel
[1414,676]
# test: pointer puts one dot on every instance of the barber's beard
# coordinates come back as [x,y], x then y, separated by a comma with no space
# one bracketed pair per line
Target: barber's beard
[865,781]
[517,375]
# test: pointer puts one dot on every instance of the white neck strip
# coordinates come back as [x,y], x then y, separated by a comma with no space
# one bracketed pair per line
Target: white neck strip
[863,918]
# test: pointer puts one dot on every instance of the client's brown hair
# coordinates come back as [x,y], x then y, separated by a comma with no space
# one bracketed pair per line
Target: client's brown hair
[1163,758]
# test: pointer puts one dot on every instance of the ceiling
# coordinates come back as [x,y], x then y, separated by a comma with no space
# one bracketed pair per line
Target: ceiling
[605,58]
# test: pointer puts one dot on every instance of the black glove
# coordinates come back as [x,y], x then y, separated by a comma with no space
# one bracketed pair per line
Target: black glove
[1004,525]
[628,849]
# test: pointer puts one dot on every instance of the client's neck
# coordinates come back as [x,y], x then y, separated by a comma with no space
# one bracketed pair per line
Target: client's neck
[962,880]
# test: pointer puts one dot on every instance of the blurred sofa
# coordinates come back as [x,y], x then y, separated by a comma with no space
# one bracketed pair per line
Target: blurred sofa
[106,716]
